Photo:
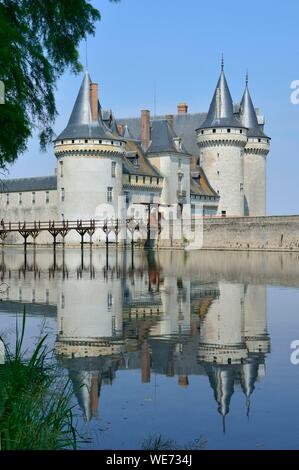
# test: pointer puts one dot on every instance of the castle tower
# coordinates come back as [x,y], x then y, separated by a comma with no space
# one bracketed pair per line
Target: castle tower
[255,154]
[221,329]
[221,140]
[89,160]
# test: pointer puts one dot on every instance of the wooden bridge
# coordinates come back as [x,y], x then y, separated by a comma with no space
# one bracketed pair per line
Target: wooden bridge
[63,227]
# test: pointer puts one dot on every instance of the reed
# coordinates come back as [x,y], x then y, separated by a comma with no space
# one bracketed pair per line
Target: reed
[35,401]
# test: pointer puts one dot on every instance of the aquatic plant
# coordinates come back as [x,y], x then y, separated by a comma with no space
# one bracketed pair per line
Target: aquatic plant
[35,409]
[158,442]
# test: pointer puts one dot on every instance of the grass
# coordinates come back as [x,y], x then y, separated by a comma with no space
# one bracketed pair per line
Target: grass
[35,409]
[158,442]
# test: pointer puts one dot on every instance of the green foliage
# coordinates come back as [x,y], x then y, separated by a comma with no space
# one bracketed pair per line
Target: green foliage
[35,411]
[38,41]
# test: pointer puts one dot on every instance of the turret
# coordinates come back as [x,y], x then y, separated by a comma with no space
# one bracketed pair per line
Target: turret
[221,140]
[89,160]
[255,154]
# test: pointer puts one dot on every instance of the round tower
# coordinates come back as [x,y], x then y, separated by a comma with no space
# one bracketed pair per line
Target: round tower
[221,140]
[89,161]
[255,154]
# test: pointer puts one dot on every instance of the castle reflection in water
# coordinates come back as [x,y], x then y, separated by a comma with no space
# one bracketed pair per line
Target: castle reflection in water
[167,313]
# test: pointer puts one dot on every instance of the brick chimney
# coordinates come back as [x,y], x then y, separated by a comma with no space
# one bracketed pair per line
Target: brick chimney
[169,119]
[145,128]
[183,381]
[93,96]
[145,363]
[120,128]
[182,108]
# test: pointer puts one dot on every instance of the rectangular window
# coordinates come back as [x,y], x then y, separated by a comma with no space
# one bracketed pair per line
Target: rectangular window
[47,197]
[61,169]
[20,198]
[127,197]
[62,195]
[113,169]
[109,194]
[7,198]
[136,178]
[144,180]
[241,187]
[33,197]
[180,163]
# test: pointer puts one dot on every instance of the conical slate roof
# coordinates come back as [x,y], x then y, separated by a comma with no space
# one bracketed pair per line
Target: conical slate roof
[248,115]
[80,124]
[163,139]
[221,111]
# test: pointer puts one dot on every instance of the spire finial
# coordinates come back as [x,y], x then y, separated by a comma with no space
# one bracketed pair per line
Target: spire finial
[222,62]
[86,62]
[246,80]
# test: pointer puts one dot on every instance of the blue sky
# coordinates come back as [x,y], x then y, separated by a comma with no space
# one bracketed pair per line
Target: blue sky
[177,45]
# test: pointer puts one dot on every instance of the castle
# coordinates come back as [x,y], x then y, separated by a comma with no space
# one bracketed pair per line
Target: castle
[214,161]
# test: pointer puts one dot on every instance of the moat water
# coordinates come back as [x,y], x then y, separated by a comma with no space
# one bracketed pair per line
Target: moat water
[195,346]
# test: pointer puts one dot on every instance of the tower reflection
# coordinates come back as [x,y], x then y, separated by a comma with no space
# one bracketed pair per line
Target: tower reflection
[164,314]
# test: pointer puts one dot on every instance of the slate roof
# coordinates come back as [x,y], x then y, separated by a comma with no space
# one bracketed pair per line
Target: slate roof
[221,111]
[163,139]
[199,184]
[80,124]
[144,168]
[248,115]
[184,126]
[39,183]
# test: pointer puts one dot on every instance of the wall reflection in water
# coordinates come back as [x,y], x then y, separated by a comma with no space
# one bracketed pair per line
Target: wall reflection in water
[165,313]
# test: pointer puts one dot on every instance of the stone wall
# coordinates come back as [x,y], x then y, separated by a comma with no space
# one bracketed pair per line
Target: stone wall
[273,233]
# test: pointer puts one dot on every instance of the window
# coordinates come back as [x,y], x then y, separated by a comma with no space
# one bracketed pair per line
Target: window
[109,301]
[127,197]
[113,169]
[100,141]
[73,141]
[33,197]
[86,141]
[241,187]
[47,197]
[62,195]
[129,178]
[241,131]
[260,140]
[20,198]
[218,155]
[198,162]
[109,194]
[144,180]
[136,178]
[157,180]
[214,131]
[180,178]
[218,172]
[151,180]
[7,198]
[61,169]
[228,130]
[202,132]
[180,163]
